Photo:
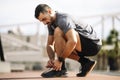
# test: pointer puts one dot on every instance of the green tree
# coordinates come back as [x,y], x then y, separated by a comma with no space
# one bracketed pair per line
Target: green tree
[112,37]
[113,54]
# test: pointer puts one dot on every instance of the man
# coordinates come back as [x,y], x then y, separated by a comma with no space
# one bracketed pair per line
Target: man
[68,39]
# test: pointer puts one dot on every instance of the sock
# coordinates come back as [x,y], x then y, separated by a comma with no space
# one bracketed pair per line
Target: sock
[63,65]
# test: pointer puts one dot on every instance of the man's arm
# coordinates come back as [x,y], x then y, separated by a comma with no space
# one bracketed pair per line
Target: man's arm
[50,48]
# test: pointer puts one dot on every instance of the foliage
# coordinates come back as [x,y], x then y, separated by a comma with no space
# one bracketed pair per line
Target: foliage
[113,40]
[112,37]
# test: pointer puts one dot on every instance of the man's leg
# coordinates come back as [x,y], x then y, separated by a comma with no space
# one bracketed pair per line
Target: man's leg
[59,43]
[88,49]
[87,64]
[58,46]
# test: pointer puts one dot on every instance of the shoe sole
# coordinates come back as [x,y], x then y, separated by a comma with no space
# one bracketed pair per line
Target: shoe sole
[62,76]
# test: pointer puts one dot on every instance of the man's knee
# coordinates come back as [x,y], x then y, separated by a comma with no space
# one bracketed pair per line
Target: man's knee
[59,41]
[58,32]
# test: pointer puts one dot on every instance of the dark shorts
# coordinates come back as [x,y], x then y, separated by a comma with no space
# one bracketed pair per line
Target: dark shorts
[89,48]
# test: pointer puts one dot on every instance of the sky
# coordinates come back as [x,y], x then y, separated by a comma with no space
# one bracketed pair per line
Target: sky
[22,11]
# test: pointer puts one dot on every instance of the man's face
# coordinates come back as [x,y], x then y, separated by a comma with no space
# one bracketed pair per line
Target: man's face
[45,18]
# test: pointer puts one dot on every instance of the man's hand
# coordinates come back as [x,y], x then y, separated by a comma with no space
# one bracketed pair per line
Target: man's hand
[50,64]
[57,65]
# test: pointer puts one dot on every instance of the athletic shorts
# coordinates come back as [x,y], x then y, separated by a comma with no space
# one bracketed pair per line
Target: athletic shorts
[89,48]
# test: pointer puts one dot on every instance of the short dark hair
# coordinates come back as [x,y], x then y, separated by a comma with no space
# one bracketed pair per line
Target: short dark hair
[41,8]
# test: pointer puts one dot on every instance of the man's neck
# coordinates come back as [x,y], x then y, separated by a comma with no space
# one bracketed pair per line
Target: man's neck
[53,15]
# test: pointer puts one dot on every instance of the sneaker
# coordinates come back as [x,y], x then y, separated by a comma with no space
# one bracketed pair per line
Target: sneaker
[86,68]
[53,73]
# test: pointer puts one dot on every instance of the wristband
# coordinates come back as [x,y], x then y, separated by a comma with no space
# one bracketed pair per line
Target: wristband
[60,59]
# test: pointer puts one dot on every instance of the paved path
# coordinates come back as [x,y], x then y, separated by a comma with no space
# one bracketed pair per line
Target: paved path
[71,76]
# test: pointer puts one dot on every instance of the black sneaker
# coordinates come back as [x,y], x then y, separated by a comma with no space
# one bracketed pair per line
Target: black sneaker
[53,73]
[86,68]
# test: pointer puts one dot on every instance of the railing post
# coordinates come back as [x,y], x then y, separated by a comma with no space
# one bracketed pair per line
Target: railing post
[1,51]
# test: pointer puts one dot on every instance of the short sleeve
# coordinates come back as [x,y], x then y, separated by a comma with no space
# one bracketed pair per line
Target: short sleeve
[66,23]
[50,30]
